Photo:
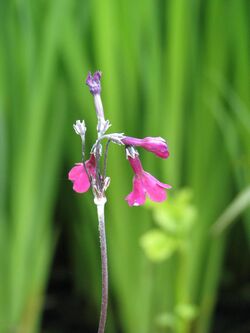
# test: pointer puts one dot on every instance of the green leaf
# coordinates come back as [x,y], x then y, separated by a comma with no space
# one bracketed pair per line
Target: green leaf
[240,203]
[157,245]
[177,215]
[186,311]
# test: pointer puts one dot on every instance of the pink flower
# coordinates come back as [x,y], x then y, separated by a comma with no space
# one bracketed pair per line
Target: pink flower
[156,145]
[79,176]
[144,183]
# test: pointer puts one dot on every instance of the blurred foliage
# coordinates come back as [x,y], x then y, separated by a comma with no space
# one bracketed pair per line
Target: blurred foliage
[157,245]
[177,69]
[175,218]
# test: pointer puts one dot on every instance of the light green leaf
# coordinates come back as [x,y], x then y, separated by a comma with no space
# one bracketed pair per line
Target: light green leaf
[186,311]
[157,245]
[176,216]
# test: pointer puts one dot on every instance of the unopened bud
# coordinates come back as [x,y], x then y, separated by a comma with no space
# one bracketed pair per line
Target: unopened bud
[94,82]
[80,128]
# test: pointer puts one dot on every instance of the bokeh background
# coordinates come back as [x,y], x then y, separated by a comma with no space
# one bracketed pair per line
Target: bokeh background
[177,69]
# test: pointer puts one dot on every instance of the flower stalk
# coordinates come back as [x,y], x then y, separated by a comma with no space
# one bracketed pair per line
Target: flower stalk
[99,186]
[104,259]
[89,173]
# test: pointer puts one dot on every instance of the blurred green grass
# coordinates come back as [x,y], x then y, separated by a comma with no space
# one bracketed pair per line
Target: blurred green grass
[176,69]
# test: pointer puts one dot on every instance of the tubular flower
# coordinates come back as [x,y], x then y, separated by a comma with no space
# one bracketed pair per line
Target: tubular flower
[156,145]
[144,183]
[79,177]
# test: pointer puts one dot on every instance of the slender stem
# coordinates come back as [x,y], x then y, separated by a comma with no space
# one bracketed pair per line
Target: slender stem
[102,234]
[99,107]
[83,158]
[114,137]
[105,159]
[99,114]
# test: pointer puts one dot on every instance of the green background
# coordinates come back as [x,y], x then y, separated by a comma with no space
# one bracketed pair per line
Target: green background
[177,69]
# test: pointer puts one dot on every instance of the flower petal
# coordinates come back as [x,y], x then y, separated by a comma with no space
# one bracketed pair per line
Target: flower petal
[167,186]
[91,165]
[157,146]
[75,171]
[138,196]
[81,184]
[79,178]
[154,188]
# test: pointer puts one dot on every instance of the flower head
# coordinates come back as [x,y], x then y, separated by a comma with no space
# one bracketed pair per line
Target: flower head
[79,177]
[92,174]
[94,82]
[145,184]
[156,145]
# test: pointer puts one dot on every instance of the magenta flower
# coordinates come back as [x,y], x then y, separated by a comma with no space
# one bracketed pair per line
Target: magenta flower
[155,145]
[79,177]
[145,184]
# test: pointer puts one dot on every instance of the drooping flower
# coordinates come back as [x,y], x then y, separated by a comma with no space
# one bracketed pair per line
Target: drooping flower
[79,177]
[145,184]
[156,145]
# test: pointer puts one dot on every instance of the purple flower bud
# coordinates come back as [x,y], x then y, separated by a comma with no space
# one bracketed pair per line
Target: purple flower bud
[156,145]
[94,82]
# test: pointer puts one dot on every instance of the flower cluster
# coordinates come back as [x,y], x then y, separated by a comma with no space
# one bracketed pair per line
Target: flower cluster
[88,173]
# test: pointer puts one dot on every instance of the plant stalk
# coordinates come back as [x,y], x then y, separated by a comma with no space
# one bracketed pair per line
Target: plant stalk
[104,259]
